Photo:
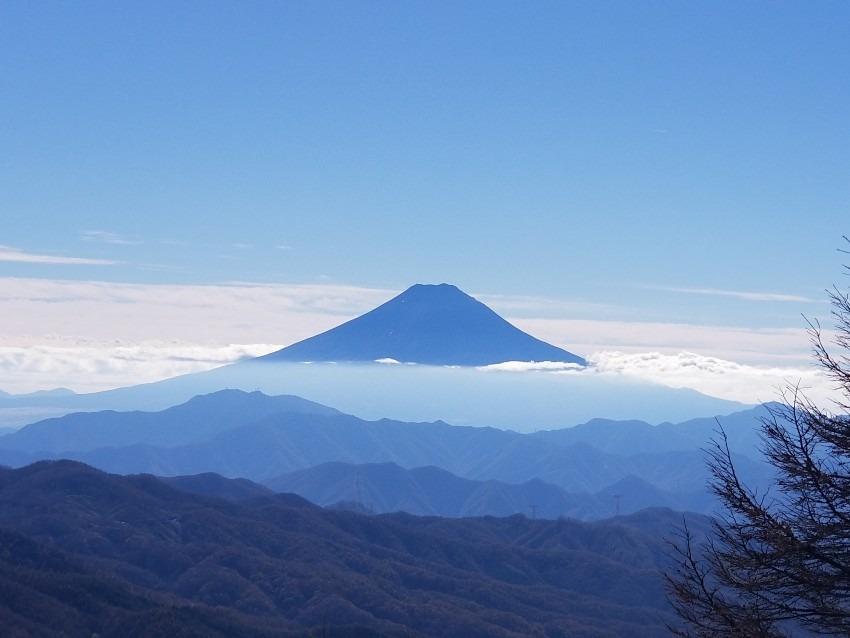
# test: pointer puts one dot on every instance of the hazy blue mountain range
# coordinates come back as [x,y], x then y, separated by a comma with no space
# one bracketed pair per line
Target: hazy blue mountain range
[55,392]
[199,419]
[445,337]
[431,491]
[261,438]
[522,401]
[427,324]
[96,553]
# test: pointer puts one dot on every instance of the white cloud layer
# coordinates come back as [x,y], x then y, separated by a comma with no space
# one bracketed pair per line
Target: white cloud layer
[90,366]
[89,335]
[714,376]
[709,375]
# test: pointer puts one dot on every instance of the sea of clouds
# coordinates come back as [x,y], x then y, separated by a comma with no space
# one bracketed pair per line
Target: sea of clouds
[92,365]
[90,335]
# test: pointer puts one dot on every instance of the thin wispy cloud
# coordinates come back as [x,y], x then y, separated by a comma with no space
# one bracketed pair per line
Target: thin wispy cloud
[7,253]
[538,307]
[218,313]
[159,268]
[741,294]
[106,237]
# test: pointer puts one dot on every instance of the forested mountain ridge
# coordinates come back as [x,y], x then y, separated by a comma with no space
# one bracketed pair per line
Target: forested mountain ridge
[284,560]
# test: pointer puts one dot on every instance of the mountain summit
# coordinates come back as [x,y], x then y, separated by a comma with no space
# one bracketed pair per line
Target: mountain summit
[429,324]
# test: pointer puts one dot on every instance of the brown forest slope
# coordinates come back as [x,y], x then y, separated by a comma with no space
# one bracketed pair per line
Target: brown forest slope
[132,556]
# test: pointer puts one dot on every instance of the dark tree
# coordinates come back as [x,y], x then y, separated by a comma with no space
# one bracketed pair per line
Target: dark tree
[778,563]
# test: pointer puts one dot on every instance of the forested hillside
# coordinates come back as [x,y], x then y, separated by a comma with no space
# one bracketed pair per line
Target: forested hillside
[133,556]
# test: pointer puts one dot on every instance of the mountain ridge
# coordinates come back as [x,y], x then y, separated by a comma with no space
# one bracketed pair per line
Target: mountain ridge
[260,445]
[278,566]
[432,491]
[207,414]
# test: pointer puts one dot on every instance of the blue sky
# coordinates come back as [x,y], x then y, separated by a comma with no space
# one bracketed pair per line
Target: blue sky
[627,164]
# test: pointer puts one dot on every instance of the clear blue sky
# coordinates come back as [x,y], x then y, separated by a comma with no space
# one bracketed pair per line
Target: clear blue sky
[598,152]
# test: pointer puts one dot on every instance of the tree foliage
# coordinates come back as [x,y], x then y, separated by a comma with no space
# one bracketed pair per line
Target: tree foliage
[778,563]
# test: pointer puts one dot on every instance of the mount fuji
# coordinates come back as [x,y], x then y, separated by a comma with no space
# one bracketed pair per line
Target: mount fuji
[427,324]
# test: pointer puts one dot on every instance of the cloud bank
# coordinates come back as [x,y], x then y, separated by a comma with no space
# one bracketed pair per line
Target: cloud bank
[90,335]
[708,375]
[91,366]
[714,376]
[88,366]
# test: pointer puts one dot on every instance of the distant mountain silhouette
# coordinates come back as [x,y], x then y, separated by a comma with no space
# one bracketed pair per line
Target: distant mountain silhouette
[429,324]
[196,420]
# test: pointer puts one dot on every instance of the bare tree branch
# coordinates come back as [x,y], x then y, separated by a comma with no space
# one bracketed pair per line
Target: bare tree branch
[778,566]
